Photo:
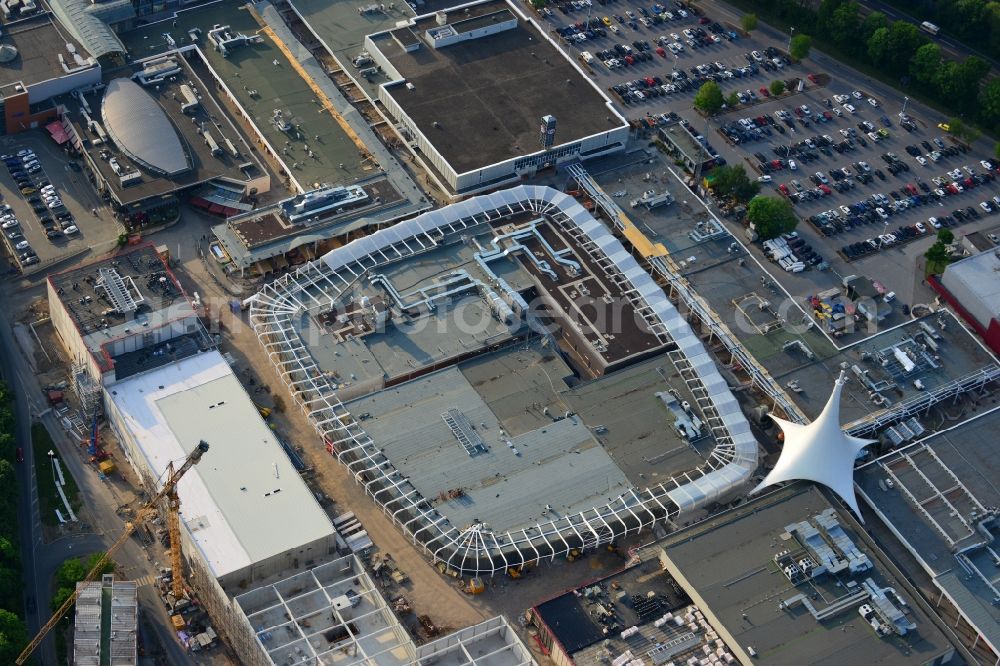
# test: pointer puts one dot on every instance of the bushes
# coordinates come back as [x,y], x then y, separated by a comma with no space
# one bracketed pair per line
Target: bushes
[12,629]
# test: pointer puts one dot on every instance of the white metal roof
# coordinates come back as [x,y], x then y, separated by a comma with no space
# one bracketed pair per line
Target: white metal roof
[819,452]
[230,501]
[140,128]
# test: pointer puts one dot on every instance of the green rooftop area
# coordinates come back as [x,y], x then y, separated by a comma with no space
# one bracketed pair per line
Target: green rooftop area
[263,80]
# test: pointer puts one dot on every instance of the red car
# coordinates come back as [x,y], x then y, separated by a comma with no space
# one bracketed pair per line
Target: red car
[777,164]
[660,51]
[783,189]
[969,182]
[952,189]
[911,188]
[825,189]
[20,454]
[812,77]
[704,20]
[764,92]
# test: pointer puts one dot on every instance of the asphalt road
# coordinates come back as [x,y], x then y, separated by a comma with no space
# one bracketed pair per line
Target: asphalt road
[948,45]
[29,525]
[41,560]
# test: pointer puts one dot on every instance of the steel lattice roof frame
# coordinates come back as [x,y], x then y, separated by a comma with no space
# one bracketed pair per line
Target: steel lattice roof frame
[477,550]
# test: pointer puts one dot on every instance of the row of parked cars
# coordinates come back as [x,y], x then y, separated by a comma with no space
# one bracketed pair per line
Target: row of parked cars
[792,253]
[925,152]
[879,207]
[41,195]
[906,233]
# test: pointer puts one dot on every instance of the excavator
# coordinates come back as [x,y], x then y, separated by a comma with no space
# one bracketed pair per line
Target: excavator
[145,513]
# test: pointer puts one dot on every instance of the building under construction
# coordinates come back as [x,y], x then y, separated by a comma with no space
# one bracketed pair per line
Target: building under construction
[525,332]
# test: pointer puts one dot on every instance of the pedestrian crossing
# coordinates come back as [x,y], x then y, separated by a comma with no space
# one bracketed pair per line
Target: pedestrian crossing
[145,580]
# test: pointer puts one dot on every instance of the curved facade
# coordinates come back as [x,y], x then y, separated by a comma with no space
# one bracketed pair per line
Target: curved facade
[141,129]
[478,550]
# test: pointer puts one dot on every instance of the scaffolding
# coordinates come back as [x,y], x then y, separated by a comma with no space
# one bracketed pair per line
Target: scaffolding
[662,267]
[121,291]
[869,426]
[477,549]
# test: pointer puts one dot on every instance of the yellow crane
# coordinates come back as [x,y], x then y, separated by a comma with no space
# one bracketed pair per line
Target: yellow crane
[143,514]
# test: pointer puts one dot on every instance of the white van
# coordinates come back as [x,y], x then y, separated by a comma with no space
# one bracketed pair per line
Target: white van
[587,57]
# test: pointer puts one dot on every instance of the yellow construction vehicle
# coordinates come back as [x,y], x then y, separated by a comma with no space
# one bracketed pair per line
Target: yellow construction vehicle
[144,513]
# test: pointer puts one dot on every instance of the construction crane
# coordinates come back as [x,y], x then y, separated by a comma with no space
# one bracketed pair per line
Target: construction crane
[146,512]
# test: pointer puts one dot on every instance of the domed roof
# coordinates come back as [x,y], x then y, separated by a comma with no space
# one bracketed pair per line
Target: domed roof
[140,128]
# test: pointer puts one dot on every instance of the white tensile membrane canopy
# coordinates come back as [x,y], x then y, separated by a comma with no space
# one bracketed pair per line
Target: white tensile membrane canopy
[819,452]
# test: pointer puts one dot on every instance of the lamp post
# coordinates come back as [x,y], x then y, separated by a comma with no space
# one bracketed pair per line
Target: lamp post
[791,33]
[903,112]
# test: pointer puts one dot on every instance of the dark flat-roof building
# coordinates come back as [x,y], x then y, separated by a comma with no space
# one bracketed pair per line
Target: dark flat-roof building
[156,132]
[39,60]
[485,97]
[789,579]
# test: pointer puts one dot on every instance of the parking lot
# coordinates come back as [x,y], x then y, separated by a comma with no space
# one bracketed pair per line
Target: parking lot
[860,180]
[653,63]
[51,203]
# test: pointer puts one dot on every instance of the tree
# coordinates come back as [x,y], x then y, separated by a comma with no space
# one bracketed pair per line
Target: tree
[903,40]
[733,181]
[925,65]
[13,636]
[960,129]
[709,98]
[844,24]
[749,22]
[733,100]
[777,87]
[70,573]
[771,216]
[800,46]
[946,236]
[872,23]
[996,151]
[960,85]
[937,256]
[878,45]
[989,103]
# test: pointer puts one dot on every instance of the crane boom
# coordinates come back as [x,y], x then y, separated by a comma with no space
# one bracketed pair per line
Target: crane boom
[144,513]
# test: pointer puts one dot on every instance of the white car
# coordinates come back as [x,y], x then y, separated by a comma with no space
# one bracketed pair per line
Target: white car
[55,203]
[23,245]
[920,227]
[857,94]
[9,224]
[849,108]
[921,161]
[764,179]
[873,102]
[840,99]
[22,153]
[682,13]
[70,230]
[933,221]
[837,112]
[792,165]
[615,29]
[756,55]
[987,165]
[986,206]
